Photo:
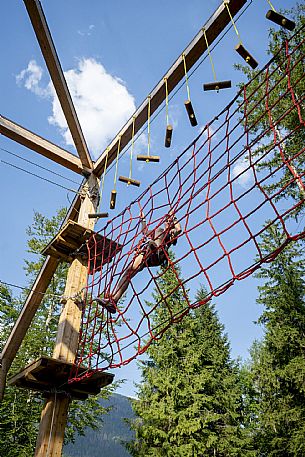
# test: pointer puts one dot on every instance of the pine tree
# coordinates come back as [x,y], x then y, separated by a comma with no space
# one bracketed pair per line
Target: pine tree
[278,363]
[189,399]
[288,132]
[273,381]
[20,410]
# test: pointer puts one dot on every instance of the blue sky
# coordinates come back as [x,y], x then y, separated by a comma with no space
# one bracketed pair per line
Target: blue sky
[114,53]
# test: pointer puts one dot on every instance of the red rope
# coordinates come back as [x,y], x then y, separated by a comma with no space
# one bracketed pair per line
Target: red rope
[224,201]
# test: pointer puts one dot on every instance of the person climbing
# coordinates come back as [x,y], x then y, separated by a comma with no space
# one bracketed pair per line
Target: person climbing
[152,251]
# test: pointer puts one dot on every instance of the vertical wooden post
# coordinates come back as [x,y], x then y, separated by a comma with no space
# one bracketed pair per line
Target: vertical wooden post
[55,410]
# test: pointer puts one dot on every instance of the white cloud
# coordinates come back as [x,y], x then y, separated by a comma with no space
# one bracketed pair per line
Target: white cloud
[243,173]
[30,77]
[87,32]
[102,101]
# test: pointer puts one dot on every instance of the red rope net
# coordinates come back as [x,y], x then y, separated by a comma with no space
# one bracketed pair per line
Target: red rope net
[223,199]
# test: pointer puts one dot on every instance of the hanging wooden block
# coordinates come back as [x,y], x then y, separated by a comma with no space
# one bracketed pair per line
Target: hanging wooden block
[129,181]
[168,135]
[113,199]
[190,112]
[97,215]
[242,51]
[281,20]
[217,85]
[146,158]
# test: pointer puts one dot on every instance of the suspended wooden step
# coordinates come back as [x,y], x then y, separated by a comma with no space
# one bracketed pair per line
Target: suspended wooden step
[217,85]
[148,158]
[190,111]
[113,199]
[168,135]
[129,181]
[47,374]
[242,51]
[74,240]
[281,20]
[98,215]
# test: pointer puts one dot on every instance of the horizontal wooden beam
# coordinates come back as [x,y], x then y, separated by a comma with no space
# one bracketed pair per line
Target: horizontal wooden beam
[48,50]
[31,305]
[213,28]
[38,144]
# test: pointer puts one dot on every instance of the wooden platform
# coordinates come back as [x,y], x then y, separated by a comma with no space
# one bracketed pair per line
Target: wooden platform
[74,239]
[47,374]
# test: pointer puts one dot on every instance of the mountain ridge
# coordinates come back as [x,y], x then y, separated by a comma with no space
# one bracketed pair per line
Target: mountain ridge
[107,439]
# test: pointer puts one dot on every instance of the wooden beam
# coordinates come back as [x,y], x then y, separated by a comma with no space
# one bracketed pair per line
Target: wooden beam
[52,425]
[31,305]
[213,27]
[38,144]
[26,316]
[55,411]
[48,50]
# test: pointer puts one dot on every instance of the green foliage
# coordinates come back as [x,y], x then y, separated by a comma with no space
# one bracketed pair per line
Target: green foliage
[274,92]
[278,364]
[273,381]
[189,399]
[20,410]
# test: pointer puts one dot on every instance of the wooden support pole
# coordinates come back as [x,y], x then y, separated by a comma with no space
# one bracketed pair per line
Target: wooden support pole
[52,426]
[55,411]
[38,144]
[49,53]
[69,322]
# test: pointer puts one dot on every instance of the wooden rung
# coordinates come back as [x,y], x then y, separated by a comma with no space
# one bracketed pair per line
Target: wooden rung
[168,136]
[97,215]
[242,51]
[145,158]
[129,181]
[281,20]
[113,199]
[190,112]
[217,85]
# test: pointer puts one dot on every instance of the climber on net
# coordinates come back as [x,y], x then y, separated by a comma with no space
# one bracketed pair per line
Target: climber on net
[152,251]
